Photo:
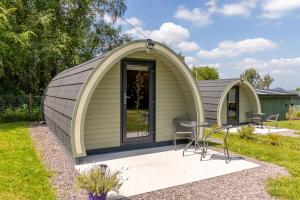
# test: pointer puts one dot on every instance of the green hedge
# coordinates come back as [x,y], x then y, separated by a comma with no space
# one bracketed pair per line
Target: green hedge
[20,113]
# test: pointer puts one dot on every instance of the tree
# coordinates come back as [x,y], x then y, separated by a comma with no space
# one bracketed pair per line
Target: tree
[138,87]
[267,81]
[298,89]
[45,37]
[252,76]
[205,73]
[10,43]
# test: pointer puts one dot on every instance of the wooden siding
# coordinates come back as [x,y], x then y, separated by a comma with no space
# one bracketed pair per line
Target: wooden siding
[275,105]
[173,98]
[102,124]
[246,104]
[224,112]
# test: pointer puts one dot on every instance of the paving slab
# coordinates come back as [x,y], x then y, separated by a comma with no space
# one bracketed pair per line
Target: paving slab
[153,169]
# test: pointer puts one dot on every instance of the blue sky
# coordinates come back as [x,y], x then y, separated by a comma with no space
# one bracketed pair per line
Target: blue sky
[230,35]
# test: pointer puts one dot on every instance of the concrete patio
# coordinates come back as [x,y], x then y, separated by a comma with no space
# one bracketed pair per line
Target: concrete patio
[147,170]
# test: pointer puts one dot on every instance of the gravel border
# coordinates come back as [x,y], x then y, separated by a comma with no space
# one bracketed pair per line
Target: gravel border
[58,161]
[247,184]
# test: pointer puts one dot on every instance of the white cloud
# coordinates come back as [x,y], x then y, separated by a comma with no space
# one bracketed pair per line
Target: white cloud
[285,71]
[191,61]
[275,66]
[274,9]
[212,6]
[239,8]
[277,71]
[134,21]
[242,8]
[197,16]
[236,48]
[107,18]
[188,46]
[246,63]
[194,61]
[284,62]
[271,9]
[136,33]
[170,33]
[215,65]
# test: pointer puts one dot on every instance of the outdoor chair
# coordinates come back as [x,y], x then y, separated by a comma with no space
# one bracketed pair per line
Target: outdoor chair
[194,139]
[181,132]
[208,138]
[255,118]
[252,118]
[273,118]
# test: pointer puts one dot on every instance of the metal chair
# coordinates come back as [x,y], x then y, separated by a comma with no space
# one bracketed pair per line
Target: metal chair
[273,118]
[194,139]
[208,139]
[252,118]
[255,118]
[181,132]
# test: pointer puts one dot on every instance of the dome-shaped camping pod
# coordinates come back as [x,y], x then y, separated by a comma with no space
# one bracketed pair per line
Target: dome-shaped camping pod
[125,98]
[227,101]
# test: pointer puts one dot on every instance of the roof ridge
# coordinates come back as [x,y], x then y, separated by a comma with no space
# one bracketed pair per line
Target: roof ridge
[219,80]
[82,64]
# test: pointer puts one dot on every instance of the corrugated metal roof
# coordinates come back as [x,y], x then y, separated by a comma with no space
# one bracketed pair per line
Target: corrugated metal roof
[274,92]
[211,92]
[60,97]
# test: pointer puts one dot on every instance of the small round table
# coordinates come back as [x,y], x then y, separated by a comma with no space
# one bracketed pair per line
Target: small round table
[193,139]
[258,118]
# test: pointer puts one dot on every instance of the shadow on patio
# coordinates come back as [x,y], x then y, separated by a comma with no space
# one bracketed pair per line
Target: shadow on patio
[146,170]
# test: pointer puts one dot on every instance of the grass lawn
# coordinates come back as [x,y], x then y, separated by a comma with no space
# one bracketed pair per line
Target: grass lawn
[136,121]
[286,154]
[22,175]
[294,124]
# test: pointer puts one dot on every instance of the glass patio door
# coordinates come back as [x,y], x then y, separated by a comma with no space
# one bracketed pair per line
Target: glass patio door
[138,102]
[233,106]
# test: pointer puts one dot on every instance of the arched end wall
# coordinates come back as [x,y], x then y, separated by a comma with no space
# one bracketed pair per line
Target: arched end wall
[248,102]
[110,62]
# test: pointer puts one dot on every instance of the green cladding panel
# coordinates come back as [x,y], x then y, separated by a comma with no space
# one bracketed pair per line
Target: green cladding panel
[296,102]
[275,105]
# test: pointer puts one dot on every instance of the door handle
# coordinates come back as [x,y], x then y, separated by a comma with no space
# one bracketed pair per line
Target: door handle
[125,98]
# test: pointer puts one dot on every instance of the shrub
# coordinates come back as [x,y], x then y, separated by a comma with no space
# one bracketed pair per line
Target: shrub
[246,132]
[273,139]
[99,180]
[214,126]
[291,114]
[20,113]
[298,115]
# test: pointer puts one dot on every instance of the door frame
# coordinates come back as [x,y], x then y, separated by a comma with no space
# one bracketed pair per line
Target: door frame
[152,101]
[237,98]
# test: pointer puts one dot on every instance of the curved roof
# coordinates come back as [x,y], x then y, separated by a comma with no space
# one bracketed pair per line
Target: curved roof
[68,94]
[213,93]
[60,97]
[273,92]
